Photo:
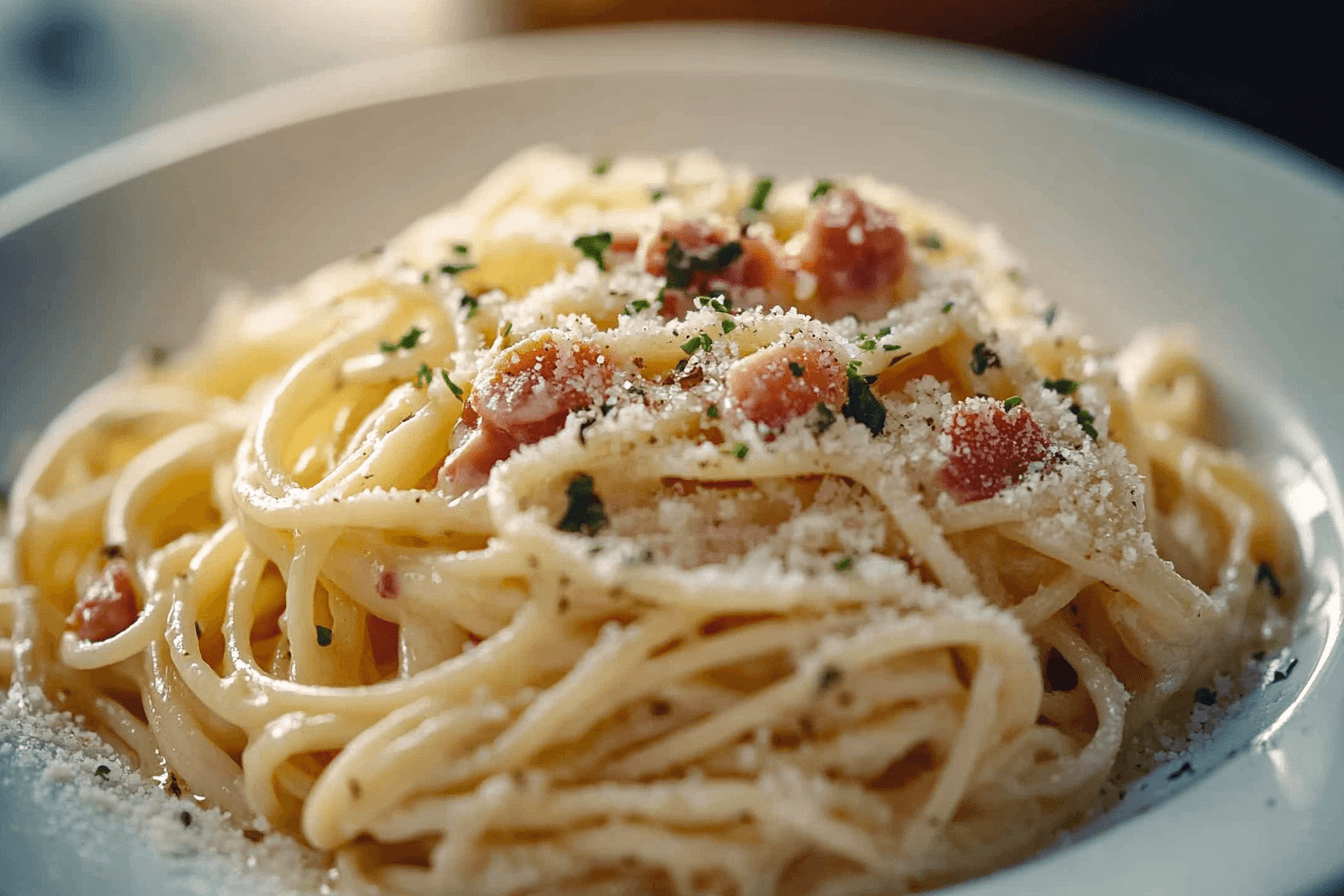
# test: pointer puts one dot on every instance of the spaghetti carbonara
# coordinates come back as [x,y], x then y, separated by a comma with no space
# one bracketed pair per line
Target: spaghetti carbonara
[643,526]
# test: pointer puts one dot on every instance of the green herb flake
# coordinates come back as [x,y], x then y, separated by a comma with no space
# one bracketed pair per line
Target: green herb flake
[1085,420]
[508,328]
[796,369]
[635,307]
[712,412]
[1205,697]
[698,341]
[461,248]
[323,636]
[425,277]
[1012,402]
[585,513]
[821,189]
[1264,575]
[452,269]
[1049,315]
[1063,387]
[728,327]
[823,418]
[682,267]
[982,358]
[844,564]
[452,386]
[601,167]
[948,307]
[657,194]
[931,241]
[103,771]
[593,245]
[862,405]
[868,345]
[423,376]
[891,348]
[739,450]
[760,193]
[408,341]
[472,306]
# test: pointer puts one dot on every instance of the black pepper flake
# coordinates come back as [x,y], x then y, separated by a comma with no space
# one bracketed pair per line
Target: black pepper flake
[1282,674]
[356,790]
[1264,575]
[830,677]
[1185,769]
[172,785]
[185,818]
[1206,697]
[982,358]
[323,636]
[1049,315]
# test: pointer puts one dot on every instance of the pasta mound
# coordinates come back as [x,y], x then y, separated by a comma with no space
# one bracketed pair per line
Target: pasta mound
[653,528]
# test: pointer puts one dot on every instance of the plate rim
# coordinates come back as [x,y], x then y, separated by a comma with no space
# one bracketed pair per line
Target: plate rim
[648,48]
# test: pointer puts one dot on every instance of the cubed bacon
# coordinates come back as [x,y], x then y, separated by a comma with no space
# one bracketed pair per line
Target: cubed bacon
[857,252]
[523,399]
[108,606]
[699,259]
[783,382]
[991,449]
[623,248]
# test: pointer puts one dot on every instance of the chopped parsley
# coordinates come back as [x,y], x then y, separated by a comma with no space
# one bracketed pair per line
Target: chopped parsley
[868,344]
[472,306]
[891,348]
[456,268]
[982,358]
[823,418]
[410,340]
[698,341]
[712,412]
[452,386]
[602,167]
[1085,420]
[718,302]
[508,328]
[728,327]
[759,194]
[1063,387]
[103,771]
[1205,697]
[948,307]
[682,268]
[862,405]
[657,194]
[739,450]
[1264,575]
[585,513]
[323,636]
[931,241]
[821,189]
[635,307]
[1012,402]
[461,248]
[796,369]
[844,564]
[593,245]
[423,376]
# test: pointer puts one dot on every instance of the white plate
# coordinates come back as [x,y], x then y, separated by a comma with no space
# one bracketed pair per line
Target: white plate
[1131,209]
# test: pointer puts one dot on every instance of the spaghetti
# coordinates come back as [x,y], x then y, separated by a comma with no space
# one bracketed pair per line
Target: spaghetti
[646,528]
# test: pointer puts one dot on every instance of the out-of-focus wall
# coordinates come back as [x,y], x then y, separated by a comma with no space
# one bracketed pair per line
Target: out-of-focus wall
[77,74]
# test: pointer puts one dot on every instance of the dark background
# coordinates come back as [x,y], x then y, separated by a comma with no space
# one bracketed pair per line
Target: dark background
[1271,66]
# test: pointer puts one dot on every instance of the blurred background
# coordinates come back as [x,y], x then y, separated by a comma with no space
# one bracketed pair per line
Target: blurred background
[77,74]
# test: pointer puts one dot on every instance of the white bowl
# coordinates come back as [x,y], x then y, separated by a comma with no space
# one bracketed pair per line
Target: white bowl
[1132,209]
